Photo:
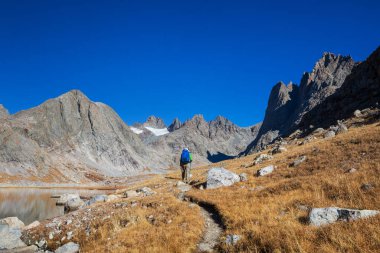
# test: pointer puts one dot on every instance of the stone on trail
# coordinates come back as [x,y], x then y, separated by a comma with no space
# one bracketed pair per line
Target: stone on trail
[68,248]
[218,177]
[265,171]
[328,215]
[183,187]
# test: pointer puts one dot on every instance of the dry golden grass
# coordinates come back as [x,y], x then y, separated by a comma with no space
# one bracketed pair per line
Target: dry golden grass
[175,227]
[271,220]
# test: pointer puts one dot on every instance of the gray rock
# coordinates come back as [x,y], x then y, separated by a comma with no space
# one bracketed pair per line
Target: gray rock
[358,113]
[329,134]
[243,177]
[352,170]
[32,225]
[131,194]
[261,158]
[328,215]
[68,248]
[10,233]
[96,199]
[367,187]
[146,191]
[278,149]
[64,198]
[232,239]
[218,177]
[265,171]
[183,187]
[73,204]
[298,161]
[12,223]
[341,128]
[112,197]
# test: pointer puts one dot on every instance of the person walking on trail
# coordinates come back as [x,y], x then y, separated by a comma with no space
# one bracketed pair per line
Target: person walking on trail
[185,162]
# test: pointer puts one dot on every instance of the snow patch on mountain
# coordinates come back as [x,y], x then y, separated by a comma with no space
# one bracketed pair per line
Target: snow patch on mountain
[158,131]
[136,130]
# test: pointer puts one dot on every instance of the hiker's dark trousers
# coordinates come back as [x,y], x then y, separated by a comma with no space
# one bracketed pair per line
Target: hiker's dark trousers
[185,169]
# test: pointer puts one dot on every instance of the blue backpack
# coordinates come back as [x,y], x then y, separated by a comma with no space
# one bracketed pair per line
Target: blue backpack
[185,156]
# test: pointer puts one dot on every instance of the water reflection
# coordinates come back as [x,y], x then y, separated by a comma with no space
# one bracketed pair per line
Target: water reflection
[34,204]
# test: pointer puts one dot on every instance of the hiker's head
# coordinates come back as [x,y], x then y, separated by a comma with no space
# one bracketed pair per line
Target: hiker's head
[186,149]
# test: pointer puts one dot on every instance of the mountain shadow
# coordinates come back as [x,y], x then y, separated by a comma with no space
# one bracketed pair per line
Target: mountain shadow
[218,157]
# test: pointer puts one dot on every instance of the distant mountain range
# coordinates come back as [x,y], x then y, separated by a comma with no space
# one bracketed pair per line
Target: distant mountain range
[72,139]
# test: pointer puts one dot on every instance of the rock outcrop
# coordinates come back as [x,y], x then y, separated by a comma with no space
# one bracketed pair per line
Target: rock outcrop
[175,125]
[10,233]
[335,88]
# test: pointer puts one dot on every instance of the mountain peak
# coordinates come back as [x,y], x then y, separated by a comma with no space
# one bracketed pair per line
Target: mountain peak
[155,122]
[176,124]
[3,112]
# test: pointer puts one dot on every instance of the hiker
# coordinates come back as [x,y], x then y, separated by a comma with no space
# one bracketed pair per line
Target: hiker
[185,162]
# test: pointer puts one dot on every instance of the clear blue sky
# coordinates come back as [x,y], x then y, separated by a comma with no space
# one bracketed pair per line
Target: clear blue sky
[173,58]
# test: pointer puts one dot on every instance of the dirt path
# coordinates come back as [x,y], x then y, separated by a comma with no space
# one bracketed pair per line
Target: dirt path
[214,229]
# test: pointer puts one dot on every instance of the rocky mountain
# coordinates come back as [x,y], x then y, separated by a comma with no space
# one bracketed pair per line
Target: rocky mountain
[360,90]
[72,139]
[334,89]
[212,141]
[3,112]
[71,134]
[155,122]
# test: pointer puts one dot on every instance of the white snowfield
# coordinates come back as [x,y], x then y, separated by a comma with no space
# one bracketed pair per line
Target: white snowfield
[158,131]
[136,130]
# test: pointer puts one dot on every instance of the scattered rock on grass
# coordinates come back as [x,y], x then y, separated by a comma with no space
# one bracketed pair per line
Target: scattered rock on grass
[329,134]
[131,194]
[218,177]
[243,177]
[358,114]
[261,158]
[298,161]
[278,149]
[367,187]
[265,171]
[328,215]
[146,191]
[68,248]
[352,170]
[232,239]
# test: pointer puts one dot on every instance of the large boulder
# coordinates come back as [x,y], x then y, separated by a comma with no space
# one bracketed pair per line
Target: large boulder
[64,198]
[73,204]
[218,177]
[328,215]
[10,233]
[265,171]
